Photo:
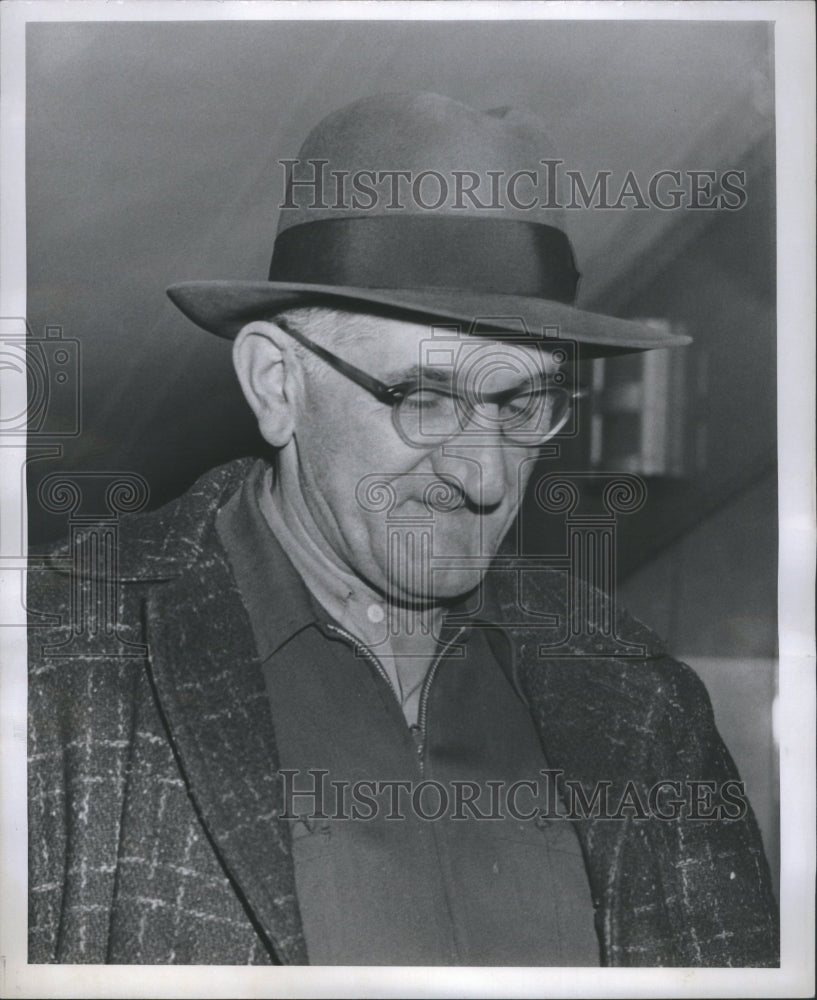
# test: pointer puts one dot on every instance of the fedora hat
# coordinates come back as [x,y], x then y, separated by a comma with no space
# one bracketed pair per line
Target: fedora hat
[420,204]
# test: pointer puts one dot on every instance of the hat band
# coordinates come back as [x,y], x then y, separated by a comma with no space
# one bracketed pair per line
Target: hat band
[399,252]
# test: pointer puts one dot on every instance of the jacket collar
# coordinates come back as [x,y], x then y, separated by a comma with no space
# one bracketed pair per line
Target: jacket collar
[277,600]
[156,546]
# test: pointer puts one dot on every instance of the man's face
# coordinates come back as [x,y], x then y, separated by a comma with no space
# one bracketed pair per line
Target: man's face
[393,510]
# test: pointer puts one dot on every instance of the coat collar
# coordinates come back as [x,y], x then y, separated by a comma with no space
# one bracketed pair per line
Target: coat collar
[160,545]
[163,544]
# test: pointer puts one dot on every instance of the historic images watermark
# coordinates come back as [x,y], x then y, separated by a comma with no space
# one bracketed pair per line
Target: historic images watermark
[309,184]
[42,406]
[311,795]
[40,410]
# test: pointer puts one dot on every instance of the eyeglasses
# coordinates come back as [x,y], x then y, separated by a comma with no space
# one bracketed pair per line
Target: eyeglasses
[426,415]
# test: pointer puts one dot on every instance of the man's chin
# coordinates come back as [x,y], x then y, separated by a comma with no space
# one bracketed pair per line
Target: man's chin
[445,587]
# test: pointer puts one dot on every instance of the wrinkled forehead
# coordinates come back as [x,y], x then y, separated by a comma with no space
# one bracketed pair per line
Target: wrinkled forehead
[400,345]
[487,355]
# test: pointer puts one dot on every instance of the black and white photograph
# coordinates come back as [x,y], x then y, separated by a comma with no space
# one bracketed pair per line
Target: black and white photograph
[407,546]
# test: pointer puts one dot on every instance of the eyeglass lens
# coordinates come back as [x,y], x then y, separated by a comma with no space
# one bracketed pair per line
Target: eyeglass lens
[428,416]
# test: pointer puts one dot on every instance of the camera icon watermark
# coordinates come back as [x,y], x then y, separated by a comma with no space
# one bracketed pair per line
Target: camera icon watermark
[490,381]
[40,382]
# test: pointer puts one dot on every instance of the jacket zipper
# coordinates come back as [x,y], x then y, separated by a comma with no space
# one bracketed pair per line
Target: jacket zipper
[424,693]
[369,656]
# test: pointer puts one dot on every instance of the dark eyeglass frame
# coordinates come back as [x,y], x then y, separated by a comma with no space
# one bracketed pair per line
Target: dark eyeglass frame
[392,395]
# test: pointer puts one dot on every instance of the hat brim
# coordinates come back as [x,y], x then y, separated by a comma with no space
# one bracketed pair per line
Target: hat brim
[224,307]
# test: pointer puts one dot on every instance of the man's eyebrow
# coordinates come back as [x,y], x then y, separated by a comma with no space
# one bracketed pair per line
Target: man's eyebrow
[419,374]
[423,374]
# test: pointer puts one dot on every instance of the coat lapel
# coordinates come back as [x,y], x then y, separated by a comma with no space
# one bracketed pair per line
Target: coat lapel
[211,691]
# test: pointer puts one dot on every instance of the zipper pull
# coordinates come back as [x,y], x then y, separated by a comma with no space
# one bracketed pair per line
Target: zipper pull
[419,739]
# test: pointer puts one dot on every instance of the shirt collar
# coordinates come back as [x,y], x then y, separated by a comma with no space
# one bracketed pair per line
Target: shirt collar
[277,600]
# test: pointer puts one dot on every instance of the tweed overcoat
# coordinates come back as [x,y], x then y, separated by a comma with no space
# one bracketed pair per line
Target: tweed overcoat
[154,799]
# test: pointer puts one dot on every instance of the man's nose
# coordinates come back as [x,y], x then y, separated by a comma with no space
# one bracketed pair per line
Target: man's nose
[478,464]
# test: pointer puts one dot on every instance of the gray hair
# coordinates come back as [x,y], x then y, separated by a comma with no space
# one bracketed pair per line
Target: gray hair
[325,325]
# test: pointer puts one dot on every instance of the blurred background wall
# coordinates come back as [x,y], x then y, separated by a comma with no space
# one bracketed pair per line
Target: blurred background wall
[152,158]
[700,563]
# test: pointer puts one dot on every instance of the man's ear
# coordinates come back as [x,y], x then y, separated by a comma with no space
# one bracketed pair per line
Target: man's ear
[262,356]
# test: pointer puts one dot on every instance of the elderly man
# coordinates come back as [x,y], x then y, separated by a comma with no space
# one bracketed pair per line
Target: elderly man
[349,733]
